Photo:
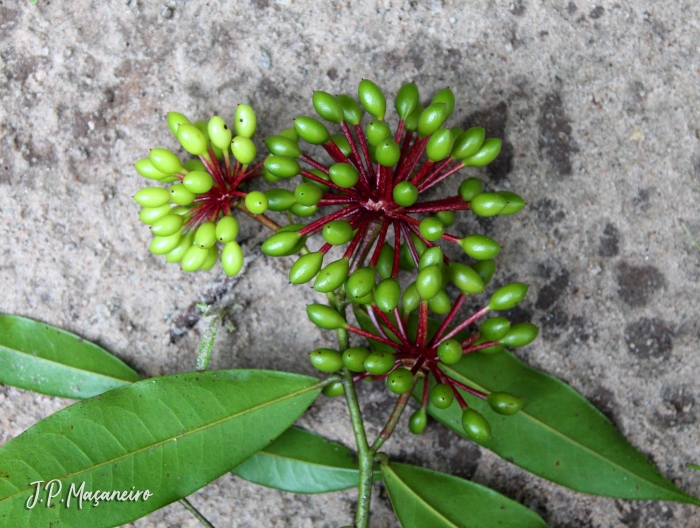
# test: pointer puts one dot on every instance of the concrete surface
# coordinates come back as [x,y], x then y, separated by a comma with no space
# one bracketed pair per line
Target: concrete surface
[598,107]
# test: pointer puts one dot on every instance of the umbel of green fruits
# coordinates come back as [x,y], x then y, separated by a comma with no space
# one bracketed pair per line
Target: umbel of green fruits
[191,216]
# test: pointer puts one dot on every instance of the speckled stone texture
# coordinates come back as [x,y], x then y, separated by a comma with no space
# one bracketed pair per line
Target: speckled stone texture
[599,111]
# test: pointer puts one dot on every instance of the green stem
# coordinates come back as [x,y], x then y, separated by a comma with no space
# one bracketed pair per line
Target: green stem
[393,420]
[202,519]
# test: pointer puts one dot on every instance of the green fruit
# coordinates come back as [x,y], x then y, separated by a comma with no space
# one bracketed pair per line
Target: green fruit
[281,243]
[269,177]
[198,182]
[429,282]
[485,269]
[406,261]
[487,204]
[192,139]
[175,119]
[495,349]
[379,363]
[180,195]
[226,229]
[194,164]
[219,133]
[327,107]
[354,358]
[418,421]
[326,359]
[305,268]
[304,211]
[450,351]
[280,199]
[468,143]
[165,161]
[504,403]
[411,299]
[456,132]
[365,301]
[195,256]
[290,133]
[176,254]
[333,390]
[243,149]
[307,194]
[388,152]
[337,232]
[387,294]
[244,121]
[361,282]
[343,175]
[446,217]
[283,146]
[520,334]
[256,202]
[146,169]
[480,247]
[205,236]
[440,304]
[325,317]
[386,261]
[486,154]
[405,194]
[494,329]
[407,99]
[506,297]
[431,119]
[400,381]
[319,174]
[167,225]
[232,258]
[211,259]
[372,98]
[431,257]
[342,143]
[152,197]
[412,119]
[149,215]
[475,425]
[332,276]
[431,229]
[446,97]
[439,145]
[352,113]
[160,245]
[469,188]
[441,396]
[311,130]
[377,131]
[514,203]
[465,278]
[282,166]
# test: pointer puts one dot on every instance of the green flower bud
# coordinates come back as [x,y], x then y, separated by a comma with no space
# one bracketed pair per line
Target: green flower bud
[149,215]
[198,182]
[194,257]
[450,351]
[337,232]
[418,421]
[175,119]
[194,164]
[379,363]
[377,131]
[307,194]
[311,130]
[494,329]
[405,194]
[485,269]
[333,390]
[387,294]
[431,119]
[281,243]
[412,119]
[178,253]
[441,396]
[152,197]
[446,217]
[243,149]
[476,426]
[232,258]
[342,143]
[504,403]
[160,245]
[180,195]
[167,225]
[440,304]
[332,276]
[280,199]
[431,257]
[480,247]
[226,229]
[388,153]
[361,282]
[283,146]
[305,268]
[400,381]
[429,282]
[327,107]
[446,97]
[211,259]
[354,358]
[468,143]
[290,133]
[406,101]
[506,297]
[487,204]
[325,317]
[343,175]
[439,145]
[256,202]
[326,359]
[321,175]
[372,98]
[520,334]
[244,121]
[411,299]
[352,112]
[165,161]
[431,229]
[219,133]
[205,236]
[192,139]
[514,203]
[386,261]
[495,349]
[304,211]
[465,278]
[146,169]
[486,154]
[282,166]
[470,188]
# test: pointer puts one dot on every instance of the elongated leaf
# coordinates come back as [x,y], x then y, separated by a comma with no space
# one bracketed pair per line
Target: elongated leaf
[170,435]
[42,358]
[423,498]
[302,462]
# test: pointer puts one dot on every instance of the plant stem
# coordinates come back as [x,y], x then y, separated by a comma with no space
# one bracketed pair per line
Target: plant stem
[201,518]
[393,420]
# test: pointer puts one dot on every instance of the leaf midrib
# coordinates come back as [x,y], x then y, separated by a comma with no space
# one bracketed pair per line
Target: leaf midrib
[302,461]
[170,439]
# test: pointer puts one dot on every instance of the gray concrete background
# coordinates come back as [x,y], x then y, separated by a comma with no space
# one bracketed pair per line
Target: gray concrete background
[598,108]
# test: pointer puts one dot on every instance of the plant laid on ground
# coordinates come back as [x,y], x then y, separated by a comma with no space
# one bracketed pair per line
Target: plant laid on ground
[171,435]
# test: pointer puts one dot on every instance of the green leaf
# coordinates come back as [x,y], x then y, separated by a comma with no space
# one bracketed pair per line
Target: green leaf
[302,462]
[170,435]
[42,358]
[424,498]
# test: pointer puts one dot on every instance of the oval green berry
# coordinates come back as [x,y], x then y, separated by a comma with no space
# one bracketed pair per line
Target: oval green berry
[431,229]
[468,143]
[244,121]
[311,130]
[303,211]
[440,304]
[406,101]
[446,217]
[354,358]
[494,329]
[485,269]
[305,268]
[232,258]
[334,389]
[377,131]
[385,262]
[456,132]
[283,146]
[205,236]
[400,381]
[325,317]
[504,403]
[337,232]
[281,243]
[219,133]
[307,194]
[280,199]
[361,282]
[508,296]
[152,197]
[342,143]
[366,300]
[431,257]
[282,166]
[475,425]
[469,188]
[243,149]
[226,229]
[495,349]
[418,421]
[405,194]
[192,139]
[198,182]
[290,133]
[180,195]
[352,112]
[160,245]
[175,119]
[447,97]
[450,351]
[179,251]
[194,164]
[429,282]
[326,359]
[146,169]
[441,396]
[343,175]
[439,145]
[486,154]
[165,161]
[487,204]
[411,299]
[256,202]
[388,153]
[211,259]
[194,257]
[372,98]
[465,278]
[332,276]
[167,225]
[514,203]
[379,363]
[431,119]
[327,107]
[320,174]
[480,247]
[149,215]
[387,294]
[520,334]
[412,119]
